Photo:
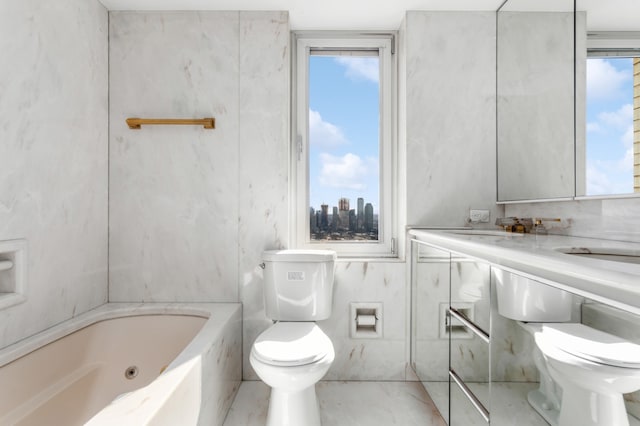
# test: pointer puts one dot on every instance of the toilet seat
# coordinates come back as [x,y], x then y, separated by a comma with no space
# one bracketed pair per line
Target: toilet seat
[290,344]
[592,345]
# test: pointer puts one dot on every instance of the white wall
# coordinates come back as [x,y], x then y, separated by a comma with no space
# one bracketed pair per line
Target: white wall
[53,157]
[173,190]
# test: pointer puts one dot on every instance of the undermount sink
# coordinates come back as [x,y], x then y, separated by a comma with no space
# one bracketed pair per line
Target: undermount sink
[604,253]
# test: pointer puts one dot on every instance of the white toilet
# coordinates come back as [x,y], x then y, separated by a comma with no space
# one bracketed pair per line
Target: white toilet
[592,368]
[293,354]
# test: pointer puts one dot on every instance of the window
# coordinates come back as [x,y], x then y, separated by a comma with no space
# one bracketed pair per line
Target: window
[613,136]
[343,143]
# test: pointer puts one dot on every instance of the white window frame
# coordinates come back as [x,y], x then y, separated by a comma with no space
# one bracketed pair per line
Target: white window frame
[304,43]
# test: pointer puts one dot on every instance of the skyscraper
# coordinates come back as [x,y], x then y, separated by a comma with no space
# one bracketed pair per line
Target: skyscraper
[353,221]
[324,217]
[360,224]
[313,221]
[368,217]
[343,224]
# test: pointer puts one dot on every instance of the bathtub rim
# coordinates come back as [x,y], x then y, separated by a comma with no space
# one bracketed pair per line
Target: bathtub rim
[108,311]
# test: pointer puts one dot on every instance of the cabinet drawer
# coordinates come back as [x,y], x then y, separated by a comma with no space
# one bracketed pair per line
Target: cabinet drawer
[470,287]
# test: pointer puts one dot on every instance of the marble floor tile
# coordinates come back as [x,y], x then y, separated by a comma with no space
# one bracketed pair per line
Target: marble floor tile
[346,404]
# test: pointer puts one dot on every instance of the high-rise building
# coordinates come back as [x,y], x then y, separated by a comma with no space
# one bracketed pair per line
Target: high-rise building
[335,219]
[360,224]
[324,217]
[368,217]
[313,221]
[343,224]
[343,204]
[353,221]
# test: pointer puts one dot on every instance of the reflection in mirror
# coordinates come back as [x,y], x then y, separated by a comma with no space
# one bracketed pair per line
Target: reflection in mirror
[535,100]
[429,339]
[607,105]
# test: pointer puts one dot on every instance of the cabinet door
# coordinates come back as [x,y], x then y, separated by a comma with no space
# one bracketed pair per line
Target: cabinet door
[429,340]
[469,339]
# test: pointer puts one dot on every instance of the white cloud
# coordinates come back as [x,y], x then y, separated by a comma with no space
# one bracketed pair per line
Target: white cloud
[322,133]
[594,127]
[360,68]
[619,119]
[626,163]
[604,81]
[597,181]
[627,138]
[348,171]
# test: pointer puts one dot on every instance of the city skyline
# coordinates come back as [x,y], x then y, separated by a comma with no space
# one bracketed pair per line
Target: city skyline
[344,223]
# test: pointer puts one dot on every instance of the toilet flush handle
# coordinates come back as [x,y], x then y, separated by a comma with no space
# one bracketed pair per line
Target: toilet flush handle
[262,265]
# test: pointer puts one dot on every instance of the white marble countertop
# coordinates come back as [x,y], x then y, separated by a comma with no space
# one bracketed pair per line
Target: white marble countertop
[537,256]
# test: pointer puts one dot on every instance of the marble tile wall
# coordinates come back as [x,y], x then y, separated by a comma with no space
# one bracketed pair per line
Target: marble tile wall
[264,165]
[222,372]
[612,219]
[173,190]
[450,116]
[231,183]
[53,157]
[368,359]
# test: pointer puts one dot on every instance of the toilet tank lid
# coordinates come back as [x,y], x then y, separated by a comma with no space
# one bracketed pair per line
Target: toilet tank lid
[593,345]
[298,255]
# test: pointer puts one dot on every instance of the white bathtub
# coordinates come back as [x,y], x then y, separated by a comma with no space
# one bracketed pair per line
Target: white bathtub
[126,364]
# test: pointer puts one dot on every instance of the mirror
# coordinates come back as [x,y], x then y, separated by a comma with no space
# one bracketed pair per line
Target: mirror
[535,100]
[430,278]
[607,69]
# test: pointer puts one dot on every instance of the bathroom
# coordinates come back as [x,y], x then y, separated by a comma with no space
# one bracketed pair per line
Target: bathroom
[181,214]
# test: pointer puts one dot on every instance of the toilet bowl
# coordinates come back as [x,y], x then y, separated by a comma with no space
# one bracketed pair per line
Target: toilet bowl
[592,368]
[291,357]
[293,354]
[546,399]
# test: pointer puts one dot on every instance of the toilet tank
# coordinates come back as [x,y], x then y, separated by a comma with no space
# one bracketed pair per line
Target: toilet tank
[298,284]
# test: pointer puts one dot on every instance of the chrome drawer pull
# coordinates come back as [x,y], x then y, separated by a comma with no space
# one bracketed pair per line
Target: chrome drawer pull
[477,330]
[472,398]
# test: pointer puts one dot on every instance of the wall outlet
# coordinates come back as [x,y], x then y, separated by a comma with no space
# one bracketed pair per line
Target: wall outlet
[477,216]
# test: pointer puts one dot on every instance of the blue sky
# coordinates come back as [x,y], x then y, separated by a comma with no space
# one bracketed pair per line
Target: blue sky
[609,126]
[343,130]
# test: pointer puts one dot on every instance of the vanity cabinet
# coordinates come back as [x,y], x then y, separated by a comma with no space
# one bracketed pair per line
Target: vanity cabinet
[450,350]
[476,365]
[479,366]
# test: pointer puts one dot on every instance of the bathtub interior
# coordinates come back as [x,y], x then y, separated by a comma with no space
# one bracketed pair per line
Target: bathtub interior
[71,379]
